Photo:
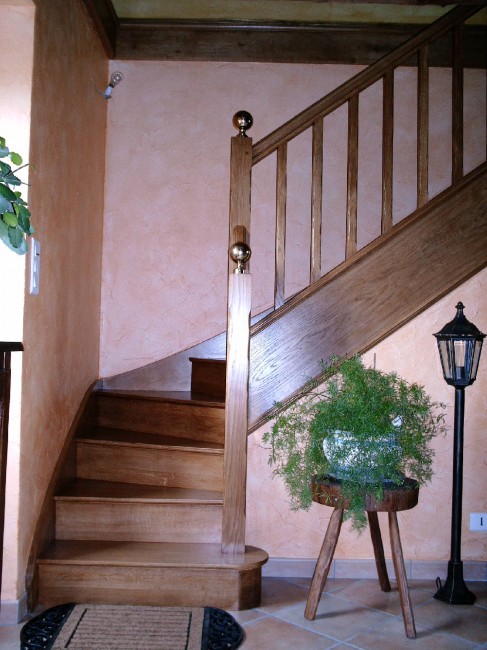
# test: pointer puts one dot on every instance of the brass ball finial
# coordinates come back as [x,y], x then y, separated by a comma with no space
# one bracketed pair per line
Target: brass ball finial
[240,254]
[243,122]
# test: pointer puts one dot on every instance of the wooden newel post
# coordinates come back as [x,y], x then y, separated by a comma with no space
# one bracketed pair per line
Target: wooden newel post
[238,341]
[236,413]
[5,353]
[240,181]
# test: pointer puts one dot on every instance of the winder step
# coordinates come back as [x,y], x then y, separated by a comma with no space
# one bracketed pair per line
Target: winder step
[135,457]
[174,413]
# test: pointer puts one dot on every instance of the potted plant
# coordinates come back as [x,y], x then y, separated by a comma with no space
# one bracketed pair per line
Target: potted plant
[14,214]
[366,428]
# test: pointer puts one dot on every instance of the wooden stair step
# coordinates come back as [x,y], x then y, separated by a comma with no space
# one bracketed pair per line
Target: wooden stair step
[132,457]
[123,436]
[110,490]
[149,574]
[172,413]
[208,376]
[102,510]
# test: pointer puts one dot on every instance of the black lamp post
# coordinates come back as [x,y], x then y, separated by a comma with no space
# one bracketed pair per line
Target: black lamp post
[460,344]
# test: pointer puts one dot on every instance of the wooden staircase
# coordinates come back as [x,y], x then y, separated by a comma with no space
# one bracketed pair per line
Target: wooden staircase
[141,522]
[147,504]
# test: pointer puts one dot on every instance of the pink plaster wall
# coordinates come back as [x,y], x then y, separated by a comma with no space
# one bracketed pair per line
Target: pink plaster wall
[167,184]
[61,333]
[425,530]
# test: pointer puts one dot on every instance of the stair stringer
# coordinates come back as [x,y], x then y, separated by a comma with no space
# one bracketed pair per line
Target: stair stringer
[365,299]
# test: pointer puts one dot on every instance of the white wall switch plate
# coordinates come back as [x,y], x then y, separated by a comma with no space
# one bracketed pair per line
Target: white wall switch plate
[35,266]
[478,521]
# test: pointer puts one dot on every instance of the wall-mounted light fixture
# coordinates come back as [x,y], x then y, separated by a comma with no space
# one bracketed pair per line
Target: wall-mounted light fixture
[115,79]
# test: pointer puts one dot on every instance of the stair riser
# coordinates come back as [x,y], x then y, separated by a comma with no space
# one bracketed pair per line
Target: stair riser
[138,522]
[149,466]
[158,586]
[189,421]
[208,376]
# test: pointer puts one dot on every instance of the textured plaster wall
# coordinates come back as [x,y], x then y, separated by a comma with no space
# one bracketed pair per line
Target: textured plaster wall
[425,530]
[167,187]
[61,332]
[16,75]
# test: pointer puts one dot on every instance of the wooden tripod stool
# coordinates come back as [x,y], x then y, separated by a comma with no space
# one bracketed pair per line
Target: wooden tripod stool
[327,491]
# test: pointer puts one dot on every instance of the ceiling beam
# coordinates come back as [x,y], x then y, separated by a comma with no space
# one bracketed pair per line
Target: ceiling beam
[280,42]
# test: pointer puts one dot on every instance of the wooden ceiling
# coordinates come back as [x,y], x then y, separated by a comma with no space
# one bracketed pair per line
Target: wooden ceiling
[285,31]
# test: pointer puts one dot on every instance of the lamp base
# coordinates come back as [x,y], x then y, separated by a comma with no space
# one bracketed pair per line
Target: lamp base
[454,591]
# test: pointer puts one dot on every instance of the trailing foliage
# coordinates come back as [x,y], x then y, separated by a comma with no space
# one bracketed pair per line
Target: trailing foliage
[14,214]
[386,426]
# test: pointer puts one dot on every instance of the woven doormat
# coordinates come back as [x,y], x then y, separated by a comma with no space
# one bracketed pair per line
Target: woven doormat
[123,627]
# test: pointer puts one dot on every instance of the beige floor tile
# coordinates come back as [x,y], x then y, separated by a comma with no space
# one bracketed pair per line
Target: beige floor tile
[278,593]
[246,615]
[335,617]
[368,593]
[392,636]
[273,634]
[10,637]
[466,621]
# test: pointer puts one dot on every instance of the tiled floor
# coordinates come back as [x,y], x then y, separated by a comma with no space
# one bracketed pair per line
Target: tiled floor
[352,614]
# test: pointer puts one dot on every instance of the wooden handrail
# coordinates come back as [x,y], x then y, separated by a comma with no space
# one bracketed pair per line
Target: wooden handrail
[5,376]
[359,82]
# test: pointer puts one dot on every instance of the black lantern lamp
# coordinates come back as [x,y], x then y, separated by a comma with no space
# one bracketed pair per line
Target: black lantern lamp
[460,344]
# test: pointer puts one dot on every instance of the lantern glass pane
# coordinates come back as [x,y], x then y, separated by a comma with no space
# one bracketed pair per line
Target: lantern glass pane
[445,358]
[476,359]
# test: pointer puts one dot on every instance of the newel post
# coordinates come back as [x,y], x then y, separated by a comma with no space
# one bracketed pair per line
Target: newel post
[5,354]
[238,342]
[240,181]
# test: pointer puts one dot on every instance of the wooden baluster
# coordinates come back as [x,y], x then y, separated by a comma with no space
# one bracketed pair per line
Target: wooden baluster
[352,177]
[316,201]
[387,149]
[236,413]
[281,199]
[457,105]
[240,177]
[5,375]
[423,126]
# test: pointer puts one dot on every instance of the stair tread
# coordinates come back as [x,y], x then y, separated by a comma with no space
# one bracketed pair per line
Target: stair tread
[91,490]
[150,554]
[185,397]
[121,436]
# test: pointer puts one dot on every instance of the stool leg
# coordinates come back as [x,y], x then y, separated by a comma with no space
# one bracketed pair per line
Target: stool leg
[380,561]
[407,610]
[323,563]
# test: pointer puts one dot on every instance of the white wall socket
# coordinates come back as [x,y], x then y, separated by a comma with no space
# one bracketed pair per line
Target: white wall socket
[478,521]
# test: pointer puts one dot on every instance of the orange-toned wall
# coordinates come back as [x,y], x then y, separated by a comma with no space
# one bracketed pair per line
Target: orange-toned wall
[166,234]
[61,333]
[425,530]
[167,188]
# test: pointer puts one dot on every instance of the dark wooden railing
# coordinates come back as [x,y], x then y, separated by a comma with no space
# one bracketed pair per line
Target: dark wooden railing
[5,376]
[244,155]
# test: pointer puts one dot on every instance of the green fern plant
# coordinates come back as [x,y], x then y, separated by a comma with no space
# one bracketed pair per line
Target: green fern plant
[377,429]
[15,223]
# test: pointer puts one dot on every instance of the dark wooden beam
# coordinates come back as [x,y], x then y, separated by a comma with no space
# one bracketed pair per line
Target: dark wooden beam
[280,42]
[105,21]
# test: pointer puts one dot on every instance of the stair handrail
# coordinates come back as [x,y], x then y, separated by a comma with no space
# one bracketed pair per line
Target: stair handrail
[6,348]
[367,77]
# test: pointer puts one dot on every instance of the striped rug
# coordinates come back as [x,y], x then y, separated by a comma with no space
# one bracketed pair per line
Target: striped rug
[124,627]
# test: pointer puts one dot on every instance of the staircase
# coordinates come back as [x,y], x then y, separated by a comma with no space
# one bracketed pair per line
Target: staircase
[142,521]
[147,505]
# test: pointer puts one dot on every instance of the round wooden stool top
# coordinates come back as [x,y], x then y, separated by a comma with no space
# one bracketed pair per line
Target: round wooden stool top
[327,491]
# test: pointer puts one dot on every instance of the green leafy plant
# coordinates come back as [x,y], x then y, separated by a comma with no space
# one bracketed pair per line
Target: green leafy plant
[14,214]
[376,429]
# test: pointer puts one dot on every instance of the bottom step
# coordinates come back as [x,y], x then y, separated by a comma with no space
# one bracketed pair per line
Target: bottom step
[149,574]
